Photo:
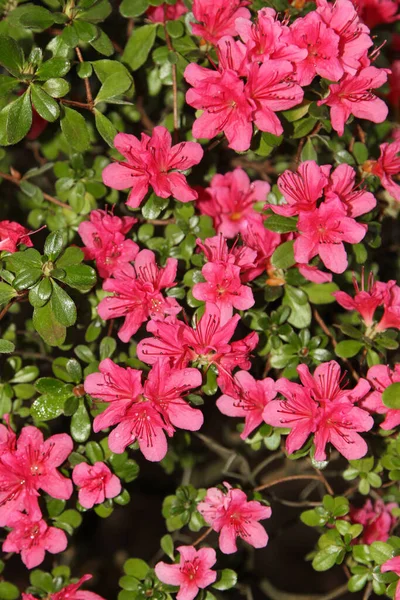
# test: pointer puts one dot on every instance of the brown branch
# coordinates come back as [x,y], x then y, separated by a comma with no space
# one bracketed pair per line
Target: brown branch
[202,537]
[7,308]
[294,478]
[47,197]
[157,221]
[89,97]
[325,482]
[144,117]
[174,81]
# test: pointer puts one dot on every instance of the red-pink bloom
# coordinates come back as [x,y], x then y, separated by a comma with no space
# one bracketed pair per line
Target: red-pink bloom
[355,198]
[230,201]
[208,343]
[391,313]
[153,161]
[216,18]
[377,520]
[144,412]
[104,239]
[380,377]
[13,234]
[322,45]
[353,96]
[216,250]
[246,397]
[264,242]
[386,167]
[137,293]
[223,288]
[328,385]
[72,592]
[354,38]
[192,573]
[233,516]
[271,88]
[302,189]
[166,12]
[95,483]
[377,12]
[394,83]
[323,231]
[393,564]
[32,466]
[364,302]
[32,538]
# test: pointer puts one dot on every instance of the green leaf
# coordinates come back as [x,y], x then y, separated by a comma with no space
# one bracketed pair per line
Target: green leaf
[105,128]
[98,12]
[108,345]
[391,396]
[54,244]
[294,114]
[87,32]
[32,17]
[296,299]
[27,278]
[357,582]
[136,567]
[44,104]
[320,293]
[80,423]
[6,293]
[325,559]
[7,84]
[94,452]
[6,347]
[360,152]
[348,348]
[71,256]
[63,306]
[102,44]
[309,152]
[226,580]
[314,518]
[41,580]
[283,257]
[11,55]
[381,552]
[80,277]
[114,85]
[8,591]
[46,408]
[19,119]
[303,127]
[139,45]
[133,8]
[74,127]
[154,206]
[167,544]
[56,87]
[281,224]
[54,67]
[47,326]
[175,28]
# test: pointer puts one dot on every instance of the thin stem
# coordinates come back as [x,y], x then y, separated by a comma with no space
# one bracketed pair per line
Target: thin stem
[74,103]
[147,122]
[47,197]
[265,486]
[202,537]
[174,81]
[368,591]
[325,482]
[89,97]
[7,308]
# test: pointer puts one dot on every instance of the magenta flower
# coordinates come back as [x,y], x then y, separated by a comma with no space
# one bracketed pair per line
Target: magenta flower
[72,592]
[216,249]
[144,412]
[322,45]
[137,293]
[364,302]
[386,167]
[31,467]
[230,201]
[377,520]
[191,574]
[328,385]
[104,239]
[95,483]
[32,538]
[245,397]
[223,288]
[233,516]
[323,231]
[380,377]
[166,12]
[342,185]
[12,235]
[301,190]
[153,162]
[393,564]
[216,18]
[391,313]
[377,12]
[264,242]
[354,96]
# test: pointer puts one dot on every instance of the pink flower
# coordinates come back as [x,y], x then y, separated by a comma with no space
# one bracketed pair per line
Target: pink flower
[32,538]
[322,45]
[216,250]
[386,167]
[377,12]
[391,314]
[137,293]
[216,18]
[354,38]
[376,519]
[144,412]
[394,83]
[380,377]
[30,467]
[166,12]
[364,302]
[323,231]
[72,592]
[272,89]
[96,483]
[12,235]
[225,107]
[393,564]
[232,516]
[301,190]
[153,161]
[353,96]
[209,343]
[104,239]
[230,201]
[342,185]
[193,573]
[224,289]
[328,385]
[264,242]
[246,397]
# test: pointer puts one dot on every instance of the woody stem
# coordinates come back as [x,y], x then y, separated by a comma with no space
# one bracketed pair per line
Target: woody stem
[295,478]
[89,97]
[202,537]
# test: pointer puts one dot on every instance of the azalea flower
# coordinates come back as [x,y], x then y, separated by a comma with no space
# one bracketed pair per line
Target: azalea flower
[95,483]
[342,185]
[191,574]
[323,231]
[377,12]
[377,520]
[72,592]
[264,242]
[391,313]
[365,302]
[216,250]
[166,12]
[245,397]
[233,516]
[386,167]
[327,384]
[216,18]
[30,467]
[393,564]
[137,293]
[104,239]
[353,96]
[32,538]
[13,234]
[394,84]
[153,161]
[380,377]
[230,201]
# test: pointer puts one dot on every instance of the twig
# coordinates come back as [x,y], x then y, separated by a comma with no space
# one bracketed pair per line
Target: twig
[293,478]
[325,482]
[7,308]
[157,221]
[174,80]
[144,117]
[89,97]
[202,537]
[368,591]
[47,197]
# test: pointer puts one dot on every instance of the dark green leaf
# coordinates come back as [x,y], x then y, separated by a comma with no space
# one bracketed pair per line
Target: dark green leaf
[226,580]
[114,85]
[56,88]
[283,257]
[139,45]
[80,423]
[54,244]
[32,16]
[74,127]
[11,55]
[19,119]
[47,325]
[391,396]
[7,84]
[54,67]
[136,567]
[321,293]
[281,224]
[6,347]
[105,128]
[348,348]
[63,306]
[44,104]
[8,591]
[133,8]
